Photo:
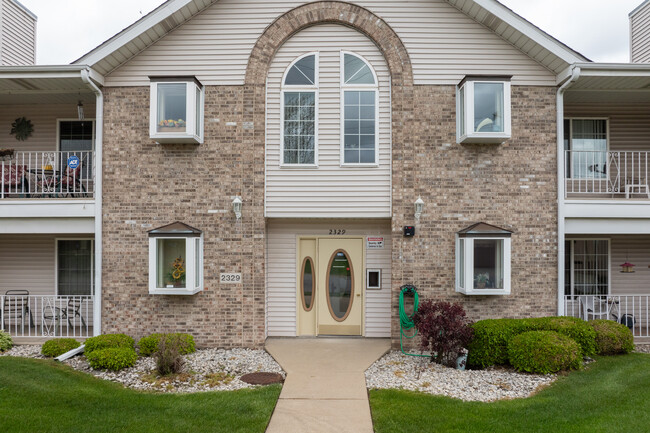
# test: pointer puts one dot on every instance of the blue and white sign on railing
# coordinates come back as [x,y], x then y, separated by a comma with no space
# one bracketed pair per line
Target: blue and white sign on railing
[73,162]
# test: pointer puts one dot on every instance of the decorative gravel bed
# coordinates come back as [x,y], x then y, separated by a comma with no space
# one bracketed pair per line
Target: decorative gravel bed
[205,370]
[642,348]
[396,370]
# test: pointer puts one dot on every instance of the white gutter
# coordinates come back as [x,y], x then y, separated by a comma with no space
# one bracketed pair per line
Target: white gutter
[99,137]
[575,74]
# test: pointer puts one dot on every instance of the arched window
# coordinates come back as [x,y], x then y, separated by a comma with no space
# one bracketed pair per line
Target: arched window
[299,112]
[359,102]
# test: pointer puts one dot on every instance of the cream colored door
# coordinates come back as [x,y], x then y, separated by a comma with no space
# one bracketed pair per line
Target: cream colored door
[306,296]
[340,291]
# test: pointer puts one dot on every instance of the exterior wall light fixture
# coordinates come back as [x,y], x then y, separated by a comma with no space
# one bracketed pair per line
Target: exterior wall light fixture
[419,206]
[236,207]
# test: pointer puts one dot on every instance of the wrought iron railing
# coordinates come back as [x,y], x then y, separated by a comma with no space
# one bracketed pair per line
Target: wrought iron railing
[47,316]
[48,175]
[609,174]
[631,310]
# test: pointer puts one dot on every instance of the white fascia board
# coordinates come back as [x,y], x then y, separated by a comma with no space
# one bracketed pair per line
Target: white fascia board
[49,72]
[529,30]
[614,69]
[608,209]
[132,32]
[638,8]
[604,226]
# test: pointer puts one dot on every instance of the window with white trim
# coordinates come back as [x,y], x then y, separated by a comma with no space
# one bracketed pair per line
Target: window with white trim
[300,112]
[359,104]
[483,260]
[175,260]
[586,267]
[483,110]
[176,110]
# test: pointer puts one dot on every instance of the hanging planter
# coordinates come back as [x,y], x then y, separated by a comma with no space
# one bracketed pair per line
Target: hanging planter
[22,128]
[627,268]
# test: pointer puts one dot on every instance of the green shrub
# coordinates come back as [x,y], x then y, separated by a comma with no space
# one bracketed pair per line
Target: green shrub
[148,345]
[611,337]
[108,341]
[113,358]
[59,346]
[491,338]
[544,352]
[572,327]
[5,341]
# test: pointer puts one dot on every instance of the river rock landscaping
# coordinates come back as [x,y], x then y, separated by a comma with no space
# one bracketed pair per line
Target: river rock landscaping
[396,370]
[205,370]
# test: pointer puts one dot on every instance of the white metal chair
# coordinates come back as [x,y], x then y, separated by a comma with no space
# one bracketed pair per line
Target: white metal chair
[594,306]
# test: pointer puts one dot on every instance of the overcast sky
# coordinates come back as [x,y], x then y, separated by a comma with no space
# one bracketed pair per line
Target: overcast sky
[599,29]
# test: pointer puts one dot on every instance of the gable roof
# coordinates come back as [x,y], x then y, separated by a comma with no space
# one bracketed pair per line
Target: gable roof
[528,38]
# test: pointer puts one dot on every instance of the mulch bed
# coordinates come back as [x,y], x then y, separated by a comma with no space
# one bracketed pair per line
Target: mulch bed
[262,378]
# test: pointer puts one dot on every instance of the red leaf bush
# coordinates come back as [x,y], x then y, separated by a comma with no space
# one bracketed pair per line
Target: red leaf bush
[444,330]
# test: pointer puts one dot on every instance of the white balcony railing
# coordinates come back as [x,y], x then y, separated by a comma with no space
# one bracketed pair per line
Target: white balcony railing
[608,174]
[47,316]
[48,175]
[631,310]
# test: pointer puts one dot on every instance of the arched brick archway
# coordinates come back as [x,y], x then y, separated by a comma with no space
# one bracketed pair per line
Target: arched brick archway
[332,12]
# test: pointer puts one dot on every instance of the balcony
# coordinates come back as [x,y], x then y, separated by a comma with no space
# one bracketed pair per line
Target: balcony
[631,310]
[48,175]
[606,175]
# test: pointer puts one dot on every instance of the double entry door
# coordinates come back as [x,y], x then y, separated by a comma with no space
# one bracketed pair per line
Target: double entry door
[330,286]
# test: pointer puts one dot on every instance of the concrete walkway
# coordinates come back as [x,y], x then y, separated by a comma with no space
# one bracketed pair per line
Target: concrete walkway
[325,388]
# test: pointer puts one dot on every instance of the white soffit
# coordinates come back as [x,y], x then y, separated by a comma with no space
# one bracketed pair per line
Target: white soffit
[142,34]
[526,37]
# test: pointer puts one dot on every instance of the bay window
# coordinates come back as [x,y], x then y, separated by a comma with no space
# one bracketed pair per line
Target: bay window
[483,260]
[483,110]
[176,114]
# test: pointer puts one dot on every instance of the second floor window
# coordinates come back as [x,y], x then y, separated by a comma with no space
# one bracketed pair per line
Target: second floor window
[299,112]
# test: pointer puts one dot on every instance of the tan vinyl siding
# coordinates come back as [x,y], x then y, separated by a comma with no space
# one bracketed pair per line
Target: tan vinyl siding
[640,34]
[27,263]
[281,273]
[629,124]
[18,46]
[330,190]
[443,43]
[44,118]
[636,250]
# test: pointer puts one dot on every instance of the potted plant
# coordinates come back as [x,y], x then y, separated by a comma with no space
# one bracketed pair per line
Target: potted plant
[481,280]
[7,154]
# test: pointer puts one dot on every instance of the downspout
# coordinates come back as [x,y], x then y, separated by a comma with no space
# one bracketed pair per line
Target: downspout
[99,138]
[561,186]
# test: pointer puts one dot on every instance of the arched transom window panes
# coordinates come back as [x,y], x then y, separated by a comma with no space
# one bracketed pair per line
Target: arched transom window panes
[299,112]
[359,100]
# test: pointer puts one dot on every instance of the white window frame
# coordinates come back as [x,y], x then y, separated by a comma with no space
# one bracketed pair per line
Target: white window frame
[357,88]
[571,254]
[56,264]
[570,149]
[190,266]
[293,89]
[466,117]
[58,130]
[368,286]
[468,261]
[191,135]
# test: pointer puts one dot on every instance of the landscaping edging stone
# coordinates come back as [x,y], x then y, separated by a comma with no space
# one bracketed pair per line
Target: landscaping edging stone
[206,370]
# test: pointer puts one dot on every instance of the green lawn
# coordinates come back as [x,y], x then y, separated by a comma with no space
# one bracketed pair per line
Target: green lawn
[612,395]
[43,396]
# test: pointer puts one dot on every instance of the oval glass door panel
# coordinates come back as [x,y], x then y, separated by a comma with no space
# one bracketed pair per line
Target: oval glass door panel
[340,288]
[307,284]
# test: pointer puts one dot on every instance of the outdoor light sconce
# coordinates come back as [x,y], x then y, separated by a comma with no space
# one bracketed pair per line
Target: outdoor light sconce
[80,110]
[419,206]
[236,207]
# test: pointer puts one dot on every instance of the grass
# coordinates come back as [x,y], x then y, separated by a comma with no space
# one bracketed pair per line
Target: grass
[611,395]
[45,396]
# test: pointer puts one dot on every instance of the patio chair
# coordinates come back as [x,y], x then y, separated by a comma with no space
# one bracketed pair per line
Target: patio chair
[73,310]
[595,307]
[16,306]
[14,180]
[70,182]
